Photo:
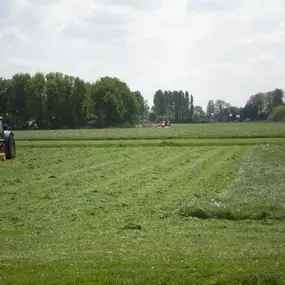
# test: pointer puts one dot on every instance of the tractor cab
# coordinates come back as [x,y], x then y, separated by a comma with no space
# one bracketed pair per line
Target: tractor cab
[164,122]
[1,128]
[7,142]
[2,142]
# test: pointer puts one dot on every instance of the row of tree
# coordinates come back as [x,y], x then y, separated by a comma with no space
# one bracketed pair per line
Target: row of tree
[179,108]
[258,107]
[57,101]
[176,106]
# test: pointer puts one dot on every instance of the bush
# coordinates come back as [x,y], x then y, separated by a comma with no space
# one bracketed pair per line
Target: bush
[277,114]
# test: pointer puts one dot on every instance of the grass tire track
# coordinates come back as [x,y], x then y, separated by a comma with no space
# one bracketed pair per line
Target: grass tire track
[202,171]
[57,182]
[137,171]
[143,193]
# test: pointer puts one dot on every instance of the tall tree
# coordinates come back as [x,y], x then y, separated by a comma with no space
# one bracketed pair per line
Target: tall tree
[159,103]
[277,99]
[52,101]
[114,103]
[19,103]
[191,108]
[37,100]
[186,106]
[255,108]
[273,99]
[79,94]
[170,103]
[210,110]
[234,113]
[146,109]
[175,94]
[5,95]
[141,102]
[199,114]
[221,111]
[181,105]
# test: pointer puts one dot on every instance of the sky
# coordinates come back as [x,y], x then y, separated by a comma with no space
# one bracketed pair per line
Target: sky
[214,49]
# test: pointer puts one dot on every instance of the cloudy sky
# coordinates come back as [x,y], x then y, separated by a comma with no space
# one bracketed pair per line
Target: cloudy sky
[215,49]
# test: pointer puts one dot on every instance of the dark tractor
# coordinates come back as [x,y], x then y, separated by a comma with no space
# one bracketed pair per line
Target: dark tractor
[164,122]
[7,141]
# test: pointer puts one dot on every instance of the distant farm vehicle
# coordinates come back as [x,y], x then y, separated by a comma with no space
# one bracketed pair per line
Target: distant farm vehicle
[164,123]
[7,142]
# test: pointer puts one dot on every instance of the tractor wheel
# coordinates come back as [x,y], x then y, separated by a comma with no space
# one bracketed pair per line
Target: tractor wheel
[10,148]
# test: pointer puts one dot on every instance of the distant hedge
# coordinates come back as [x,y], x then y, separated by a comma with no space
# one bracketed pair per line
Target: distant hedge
[277,114]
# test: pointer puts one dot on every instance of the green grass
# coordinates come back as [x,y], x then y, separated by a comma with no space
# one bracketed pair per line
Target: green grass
[149,143]
[122,215]
[257,192]
[201,131]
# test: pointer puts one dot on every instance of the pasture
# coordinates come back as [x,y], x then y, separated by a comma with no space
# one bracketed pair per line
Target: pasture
[201,131]
[202,204]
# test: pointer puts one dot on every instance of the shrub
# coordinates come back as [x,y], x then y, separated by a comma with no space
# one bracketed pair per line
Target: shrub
[277,114]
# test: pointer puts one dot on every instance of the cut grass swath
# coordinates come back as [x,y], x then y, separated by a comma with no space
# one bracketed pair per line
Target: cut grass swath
[256,193]
[110,215]
[150,143]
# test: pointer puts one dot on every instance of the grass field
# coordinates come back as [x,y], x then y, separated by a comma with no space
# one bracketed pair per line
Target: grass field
[201,131]
[205,213]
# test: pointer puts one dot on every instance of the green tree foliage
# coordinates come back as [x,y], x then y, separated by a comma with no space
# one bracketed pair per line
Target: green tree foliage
[20,98]
[114,103]
[198,114]
[234,113]
[56,100]
[142,103]
[179,107]
[186,106]
[159,101]
[191,112]
[221,111]
[276,97]
[37,102]
[278,114]
[174,105]
[260,105]
[5,90]
[210,110]
[152,117]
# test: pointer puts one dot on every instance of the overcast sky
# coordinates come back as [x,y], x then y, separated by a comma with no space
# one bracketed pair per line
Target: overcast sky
[215,49]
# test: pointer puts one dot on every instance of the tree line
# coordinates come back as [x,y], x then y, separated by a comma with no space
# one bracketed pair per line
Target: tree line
[57,100]
[177,106]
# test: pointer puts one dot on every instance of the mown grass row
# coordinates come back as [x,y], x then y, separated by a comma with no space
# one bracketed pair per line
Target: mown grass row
[256,192]
[212,210]
[150,143]
[115,216]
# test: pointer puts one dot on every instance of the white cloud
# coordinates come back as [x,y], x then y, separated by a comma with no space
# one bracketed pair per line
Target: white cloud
[224,49]
[210,6]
